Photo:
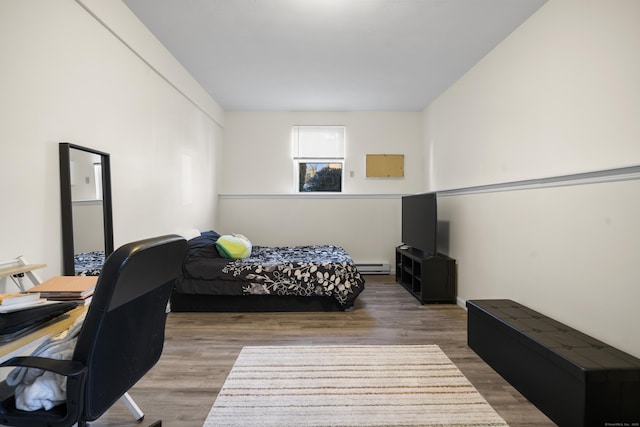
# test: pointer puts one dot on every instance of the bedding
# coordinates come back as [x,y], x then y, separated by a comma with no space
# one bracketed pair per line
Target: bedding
[88,263]
[298,271]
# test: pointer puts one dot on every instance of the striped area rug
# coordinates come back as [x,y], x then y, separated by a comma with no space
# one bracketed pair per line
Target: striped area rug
[348,386]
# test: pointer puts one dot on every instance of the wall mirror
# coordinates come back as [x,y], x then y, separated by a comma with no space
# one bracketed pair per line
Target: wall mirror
[87,224]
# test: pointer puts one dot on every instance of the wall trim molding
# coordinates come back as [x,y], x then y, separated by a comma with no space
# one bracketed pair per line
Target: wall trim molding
[626,173]
[342,196]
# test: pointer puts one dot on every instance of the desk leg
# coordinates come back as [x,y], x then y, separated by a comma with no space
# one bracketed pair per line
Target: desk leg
[132,407]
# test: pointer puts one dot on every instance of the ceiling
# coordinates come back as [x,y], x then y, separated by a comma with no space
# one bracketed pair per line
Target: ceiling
[329,55]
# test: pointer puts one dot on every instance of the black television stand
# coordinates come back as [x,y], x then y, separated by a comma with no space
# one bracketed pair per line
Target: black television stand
[430,278]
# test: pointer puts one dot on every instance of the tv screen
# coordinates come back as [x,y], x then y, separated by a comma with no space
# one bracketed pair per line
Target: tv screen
[419,222]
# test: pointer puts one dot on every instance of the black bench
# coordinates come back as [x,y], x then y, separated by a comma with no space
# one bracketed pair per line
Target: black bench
[573,378]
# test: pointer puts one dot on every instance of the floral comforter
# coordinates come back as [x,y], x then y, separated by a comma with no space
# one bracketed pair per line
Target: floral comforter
[88,263]
[297,270]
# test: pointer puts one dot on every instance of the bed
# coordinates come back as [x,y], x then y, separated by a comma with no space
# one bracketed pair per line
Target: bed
[294,278]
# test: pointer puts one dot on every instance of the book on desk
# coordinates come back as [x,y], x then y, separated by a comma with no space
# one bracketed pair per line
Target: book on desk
[67,288]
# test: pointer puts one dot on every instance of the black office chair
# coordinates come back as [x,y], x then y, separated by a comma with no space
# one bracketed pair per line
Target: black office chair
[121,339]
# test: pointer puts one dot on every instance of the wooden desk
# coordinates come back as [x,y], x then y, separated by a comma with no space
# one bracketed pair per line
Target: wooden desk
[26,344]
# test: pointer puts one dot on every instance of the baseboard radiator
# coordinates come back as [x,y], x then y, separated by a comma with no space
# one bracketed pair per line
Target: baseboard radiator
[373,268]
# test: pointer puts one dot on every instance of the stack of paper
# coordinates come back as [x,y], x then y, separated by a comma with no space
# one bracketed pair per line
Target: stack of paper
[10,299]
[14,302]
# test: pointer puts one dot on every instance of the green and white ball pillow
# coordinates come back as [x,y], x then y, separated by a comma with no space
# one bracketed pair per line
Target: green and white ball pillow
[234,246]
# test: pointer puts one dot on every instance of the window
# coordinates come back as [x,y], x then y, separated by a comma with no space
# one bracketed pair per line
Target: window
[318,154]
[97,173]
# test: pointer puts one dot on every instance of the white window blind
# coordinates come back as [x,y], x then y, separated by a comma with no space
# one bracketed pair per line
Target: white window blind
[318,142]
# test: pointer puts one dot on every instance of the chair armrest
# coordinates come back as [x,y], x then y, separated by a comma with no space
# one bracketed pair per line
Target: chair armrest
[67,368]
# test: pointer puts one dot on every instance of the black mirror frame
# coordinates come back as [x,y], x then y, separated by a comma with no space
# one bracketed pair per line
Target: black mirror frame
[68,253]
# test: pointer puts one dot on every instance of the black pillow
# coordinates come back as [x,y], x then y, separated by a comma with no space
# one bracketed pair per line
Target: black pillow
[203,246]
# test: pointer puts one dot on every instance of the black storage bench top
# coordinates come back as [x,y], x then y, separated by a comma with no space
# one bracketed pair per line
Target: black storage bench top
[573,378]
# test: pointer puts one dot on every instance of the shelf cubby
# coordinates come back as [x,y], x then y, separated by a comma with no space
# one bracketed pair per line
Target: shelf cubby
[430,278]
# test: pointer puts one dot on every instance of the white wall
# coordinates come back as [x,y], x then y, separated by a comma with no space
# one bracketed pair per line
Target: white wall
[88,217]
[367,227]
[559,96]
[258,150]
[257,182]
[68,76]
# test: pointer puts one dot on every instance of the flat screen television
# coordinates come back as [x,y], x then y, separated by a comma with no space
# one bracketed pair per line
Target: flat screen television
[419,222]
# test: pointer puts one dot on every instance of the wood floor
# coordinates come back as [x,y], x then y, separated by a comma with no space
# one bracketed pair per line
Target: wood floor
[201,348]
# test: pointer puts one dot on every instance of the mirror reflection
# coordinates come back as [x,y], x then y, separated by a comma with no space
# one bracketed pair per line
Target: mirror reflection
[86,209]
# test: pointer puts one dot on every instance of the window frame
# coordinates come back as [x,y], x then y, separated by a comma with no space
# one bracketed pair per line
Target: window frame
[298,159]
